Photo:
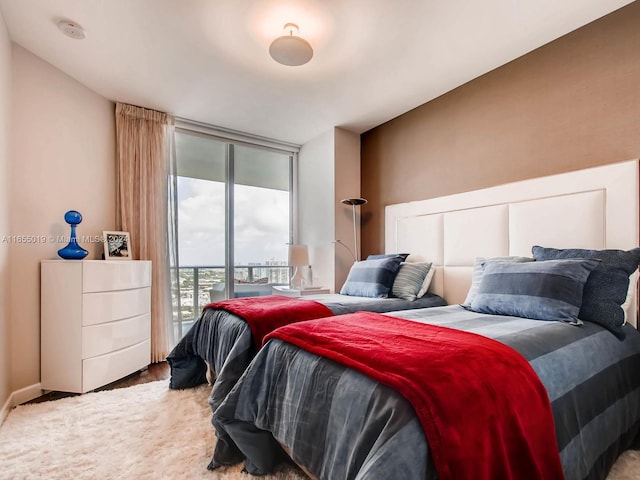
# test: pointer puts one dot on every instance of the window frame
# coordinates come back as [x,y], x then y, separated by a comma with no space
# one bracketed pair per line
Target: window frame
[231,139]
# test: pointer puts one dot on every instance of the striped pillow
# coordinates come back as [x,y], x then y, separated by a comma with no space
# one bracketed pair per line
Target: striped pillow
[372,278]
[547,290]
[478,269]
[409,280]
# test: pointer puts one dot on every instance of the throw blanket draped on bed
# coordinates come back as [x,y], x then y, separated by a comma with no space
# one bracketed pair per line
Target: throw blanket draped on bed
[433,368]
[265,314]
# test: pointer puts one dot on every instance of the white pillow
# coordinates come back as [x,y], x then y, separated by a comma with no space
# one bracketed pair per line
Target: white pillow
[629,306]
[478,270]
[426,283]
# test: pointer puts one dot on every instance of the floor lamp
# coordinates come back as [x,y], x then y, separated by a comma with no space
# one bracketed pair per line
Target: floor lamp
[354,202]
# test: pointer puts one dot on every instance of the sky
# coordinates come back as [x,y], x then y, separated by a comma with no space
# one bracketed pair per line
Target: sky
[261,223]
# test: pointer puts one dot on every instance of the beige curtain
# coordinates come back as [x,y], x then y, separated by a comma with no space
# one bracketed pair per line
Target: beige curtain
[143,153]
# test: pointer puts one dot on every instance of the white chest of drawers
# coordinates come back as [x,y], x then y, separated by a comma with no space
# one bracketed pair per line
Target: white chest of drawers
[95,322]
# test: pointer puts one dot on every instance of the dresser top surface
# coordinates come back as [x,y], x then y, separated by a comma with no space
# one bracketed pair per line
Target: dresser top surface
[91,261]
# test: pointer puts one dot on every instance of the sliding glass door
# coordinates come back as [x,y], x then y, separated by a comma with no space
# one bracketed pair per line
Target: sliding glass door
[262,220]
[234,220]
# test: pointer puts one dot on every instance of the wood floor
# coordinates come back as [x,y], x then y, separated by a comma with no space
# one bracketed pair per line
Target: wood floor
[155,371]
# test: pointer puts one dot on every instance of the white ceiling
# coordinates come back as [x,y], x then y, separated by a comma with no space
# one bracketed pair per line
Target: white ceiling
[207,60]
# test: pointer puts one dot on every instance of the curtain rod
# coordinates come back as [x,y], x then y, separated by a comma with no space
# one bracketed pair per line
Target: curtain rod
[230,134]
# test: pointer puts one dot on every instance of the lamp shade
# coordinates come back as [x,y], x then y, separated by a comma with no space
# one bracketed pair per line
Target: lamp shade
[290,49]
[298,255]
[354,201]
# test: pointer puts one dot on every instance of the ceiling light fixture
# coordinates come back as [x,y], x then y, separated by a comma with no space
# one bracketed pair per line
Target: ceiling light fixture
[291,49]
[72,29]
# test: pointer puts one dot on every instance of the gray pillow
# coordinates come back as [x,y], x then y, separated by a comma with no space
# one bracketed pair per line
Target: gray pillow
[378,256]
[478,268]
[409,280]
[372,278]
[546,290]
[606,289]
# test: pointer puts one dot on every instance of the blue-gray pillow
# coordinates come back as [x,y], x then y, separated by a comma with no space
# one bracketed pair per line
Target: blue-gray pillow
[547,290]
[378,256]
[478,269]
[606,289]
[372,278]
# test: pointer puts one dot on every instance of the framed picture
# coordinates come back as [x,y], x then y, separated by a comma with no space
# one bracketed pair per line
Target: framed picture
[117,246]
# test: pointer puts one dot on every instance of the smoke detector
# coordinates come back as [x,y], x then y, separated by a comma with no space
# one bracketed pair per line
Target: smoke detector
[72,29]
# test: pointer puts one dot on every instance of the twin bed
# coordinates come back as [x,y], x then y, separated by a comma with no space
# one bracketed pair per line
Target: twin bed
[338,423]
[222,342]
[335,422]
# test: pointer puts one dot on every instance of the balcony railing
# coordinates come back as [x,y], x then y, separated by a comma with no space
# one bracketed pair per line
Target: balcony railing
[200,285]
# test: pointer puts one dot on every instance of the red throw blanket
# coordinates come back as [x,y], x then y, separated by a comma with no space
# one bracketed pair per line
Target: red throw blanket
[483,409]
[265,314]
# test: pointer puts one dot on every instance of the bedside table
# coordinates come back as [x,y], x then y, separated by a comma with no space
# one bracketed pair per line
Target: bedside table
[292,292]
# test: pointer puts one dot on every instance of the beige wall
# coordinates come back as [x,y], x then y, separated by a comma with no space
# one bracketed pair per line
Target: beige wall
[63,158]
[316,226]
[571,104]
[347,160]
[5,111]
[328,169]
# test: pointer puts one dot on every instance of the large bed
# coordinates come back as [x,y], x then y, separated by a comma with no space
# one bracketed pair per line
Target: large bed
[335,422]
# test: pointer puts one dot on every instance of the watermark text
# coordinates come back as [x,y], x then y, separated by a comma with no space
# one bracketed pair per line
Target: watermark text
[31,239]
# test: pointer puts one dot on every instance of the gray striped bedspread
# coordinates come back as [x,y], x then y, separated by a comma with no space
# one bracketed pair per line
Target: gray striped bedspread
[339,424]
[223,340]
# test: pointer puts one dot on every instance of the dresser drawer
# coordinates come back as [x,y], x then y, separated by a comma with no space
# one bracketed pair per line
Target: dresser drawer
[95,322]
[98,371]
[103,307]
[102,276]
[107,337]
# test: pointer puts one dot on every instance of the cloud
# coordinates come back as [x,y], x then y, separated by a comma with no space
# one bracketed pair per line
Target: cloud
[261,223]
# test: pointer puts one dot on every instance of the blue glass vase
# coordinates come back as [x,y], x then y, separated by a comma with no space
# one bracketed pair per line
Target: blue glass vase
[73,251]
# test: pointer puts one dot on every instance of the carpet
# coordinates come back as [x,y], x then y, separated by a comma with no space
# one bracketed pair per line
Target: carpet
[142,432]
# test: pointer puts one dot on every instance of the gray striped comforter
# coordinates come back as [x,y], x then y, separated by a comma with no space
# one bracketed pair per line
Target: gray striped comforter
[223,340]
[339,424]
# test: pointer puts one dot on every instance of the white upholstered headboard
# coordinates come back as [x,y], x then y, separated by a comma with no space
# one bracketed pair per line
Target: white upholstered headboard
[594,208]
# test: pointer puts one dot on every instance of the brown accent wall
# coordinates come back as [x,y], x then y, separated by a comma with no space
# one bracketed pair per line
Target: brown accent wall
[573,103]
